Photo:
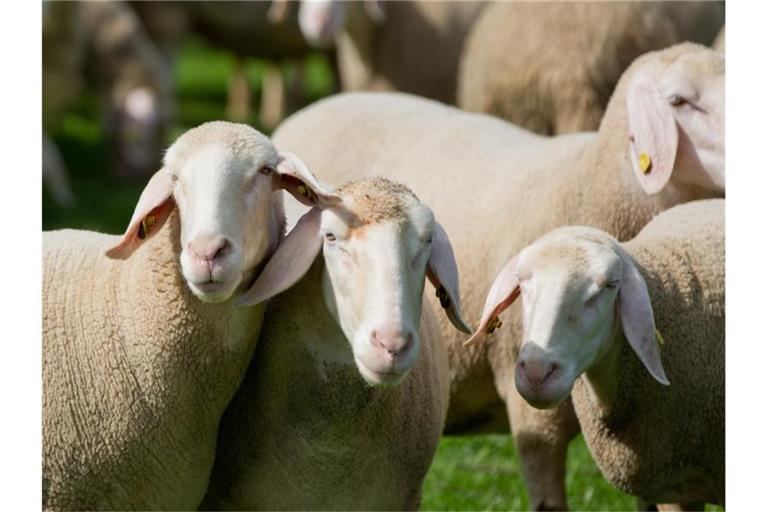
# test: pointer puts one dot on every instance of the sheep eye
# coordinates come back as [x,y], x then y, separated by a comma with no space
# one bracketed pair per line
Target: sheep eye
[174,178]
[429,240]
[330,237]
[265,170]
[676,100]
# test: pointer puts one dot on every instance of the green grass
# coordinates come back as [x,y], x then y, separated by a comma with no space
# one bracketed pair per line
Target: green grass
[483,473]
[468,473]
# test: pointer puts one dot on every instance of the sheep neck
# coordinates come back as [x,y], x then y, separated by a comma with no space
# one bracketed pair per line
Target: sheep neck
[176,332]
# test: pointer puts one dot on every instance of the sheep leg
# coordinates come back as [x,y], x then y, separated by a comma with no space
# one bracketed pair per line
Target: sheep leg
[239,93]
[272,97]
[542,439]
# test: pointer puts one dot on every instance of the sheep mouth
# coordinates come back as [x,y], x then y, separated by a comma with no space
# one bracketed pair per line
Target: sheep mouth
[389,378]
[213,291]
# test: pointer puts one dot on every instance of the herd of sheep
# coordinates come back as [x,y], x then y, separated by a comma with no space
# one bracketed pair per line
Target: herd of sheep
[263,335]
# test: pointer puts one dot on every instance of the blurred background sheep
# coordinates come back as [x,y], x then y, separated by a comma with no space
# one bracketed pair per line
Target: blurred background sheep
[121,80]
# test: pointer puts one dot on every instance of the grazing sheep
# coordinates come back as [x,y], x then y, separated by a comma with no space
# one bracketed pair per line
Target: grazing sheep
[103,43]
[613,324]
[555,71]
[140,357]
[405,46]
[666,118]
[350,380]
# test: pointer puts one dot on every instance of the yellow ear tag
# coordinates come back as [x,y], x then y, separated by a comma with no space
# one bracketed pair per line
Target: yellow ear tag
[146,226]
[442,294]
[645,162]
[494,324]
[659,337]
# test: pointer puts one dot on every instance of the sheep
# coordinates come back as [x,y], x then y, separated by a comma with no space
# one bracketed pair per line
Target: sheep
[266,30]
[596,315]
[662,134]
[554,72]
[350,378]
[103,42]
[406,46]
[142,345]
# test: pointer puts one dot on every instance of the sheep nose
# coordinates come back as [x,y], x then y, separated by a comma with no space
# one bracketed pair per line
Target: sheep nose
[397,342]
[209,248]
[536,371]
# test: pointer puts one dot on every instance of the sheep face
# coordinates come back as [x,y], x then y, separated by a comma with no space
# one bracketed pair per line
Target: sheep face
[224,206]
[223,178]
[575,283]
[373,284]
[569,287]
[378,244]
[675,108]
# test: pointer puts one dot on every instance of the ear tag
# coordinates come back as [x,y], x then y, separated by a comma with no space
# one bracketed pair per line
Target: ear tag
[645,162]
[659,338]
[494,324]
[442,294]
[146,226]
[305,192]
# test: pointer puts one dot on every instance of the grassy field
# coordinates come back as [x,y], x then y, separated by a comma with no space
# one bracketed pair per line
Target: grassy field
[469,473]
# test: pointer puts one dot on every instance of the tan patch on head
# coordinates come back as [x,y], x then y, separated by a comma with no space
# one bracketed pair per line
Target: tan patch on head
[374,199]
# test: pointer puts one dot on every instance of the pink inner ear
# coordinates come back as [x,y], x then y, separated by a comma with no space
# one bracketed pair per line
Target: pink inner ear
[444,276]
[653,131]
[504,291]
[290,262]
[152,210]
[296,178]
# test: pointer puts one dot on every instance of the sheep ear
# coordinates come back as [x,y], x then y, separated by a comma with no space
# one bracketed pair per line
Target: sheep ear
[293,176]
[442,273]
[290,261]
[653,134]
[154,206]
[504,290]
[637,319]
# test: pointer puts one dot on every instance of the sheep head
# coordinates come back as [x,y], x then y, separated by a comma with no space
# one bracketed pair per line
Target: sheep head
[378,246]
[221,177]
[576,284]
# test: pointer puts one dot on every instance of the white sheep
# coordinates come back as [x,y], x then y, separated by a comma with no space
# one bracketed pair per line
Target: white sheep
[344,403]
[140,357]
[614,324]
[551,67]
[496,188]
[410,46]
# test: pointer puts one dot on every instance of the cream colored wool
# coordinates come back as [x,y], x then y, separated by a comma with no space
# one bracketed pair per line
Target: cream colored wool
[415,48]
[667,444]
[551,67]
[307,433]
[496,188]
[136,374]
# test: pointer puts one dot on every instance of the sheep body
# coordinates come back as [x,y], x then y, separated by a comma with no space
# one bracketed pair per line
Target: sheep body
[414,49]
[667,444]
[136,374]
[305,430]
[563,86]
[522,185]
